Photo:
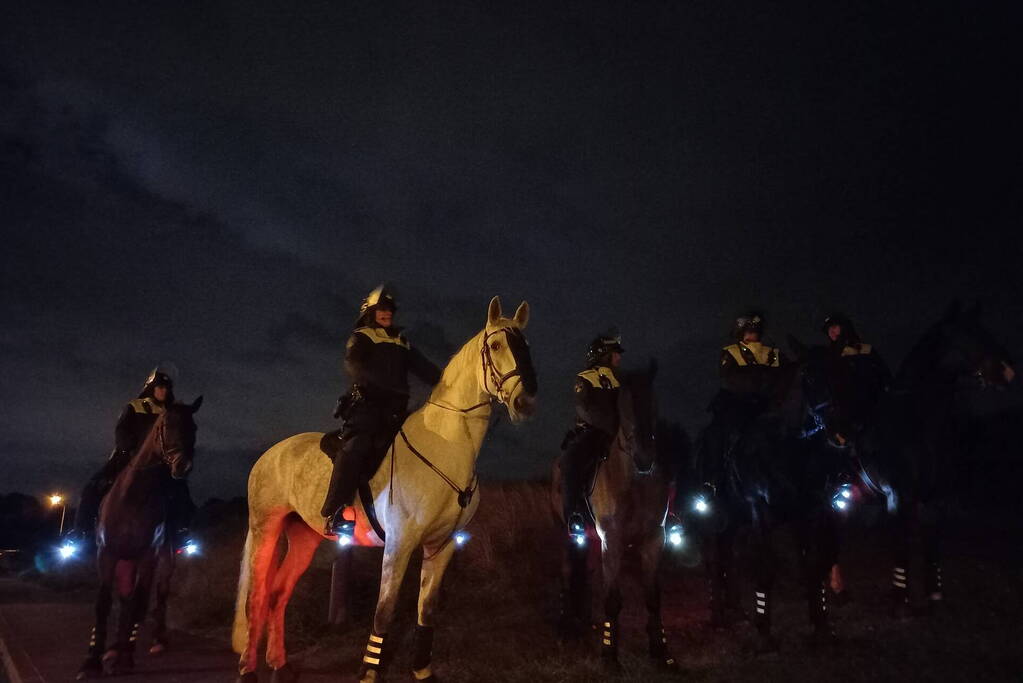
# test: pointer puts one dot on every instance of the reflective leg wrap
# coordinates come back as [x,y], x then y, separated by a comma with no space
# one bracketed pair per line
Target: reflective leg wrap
[762,615]
[900,584]
[373,659]
[134,635]
[422,651]
[96,643]
[935,590]
[658,642]
[818,603]
[609,639]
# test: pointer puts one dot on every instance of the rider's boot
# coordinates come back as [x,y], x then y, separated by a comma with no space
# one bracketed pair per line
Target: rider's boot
[577,528]
[341,524]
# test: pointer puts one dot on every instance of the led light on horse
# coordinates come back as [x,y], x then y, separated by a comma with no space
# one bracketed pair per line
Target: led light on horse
[461,538]
[67,550]
[344,540]
[579,539]
[843,497]
[191,548]
[701,505]
[675,536]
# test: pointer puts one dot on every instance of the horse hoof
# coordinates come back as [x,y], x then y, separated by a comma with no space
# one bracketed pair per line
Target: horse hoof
[92,667]
[667,663]
[285,674]
[249,677]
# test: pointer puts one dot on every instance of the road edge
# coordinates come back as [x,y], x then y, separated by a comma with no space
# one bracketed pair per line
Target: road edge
[11,654]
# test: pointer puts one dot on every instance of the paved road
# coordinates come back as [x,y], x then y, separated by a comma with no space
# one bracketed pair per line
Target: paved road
[44,636]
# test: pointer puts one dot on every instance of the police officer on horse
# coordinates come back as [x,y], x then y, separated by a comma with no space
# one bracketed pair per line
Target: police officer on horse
[596,407]
[858,374]
[378,358]
[133,426]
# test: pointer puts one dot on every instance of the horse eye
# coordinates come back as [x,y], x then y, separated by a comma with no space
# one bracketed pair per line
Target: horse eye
[495,346]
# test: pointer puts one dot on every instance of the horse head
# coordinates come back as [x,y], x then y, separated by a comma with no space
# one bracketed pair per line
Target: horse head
[506,367]
[637,412]
[811,400]
[175,437]
[964,348]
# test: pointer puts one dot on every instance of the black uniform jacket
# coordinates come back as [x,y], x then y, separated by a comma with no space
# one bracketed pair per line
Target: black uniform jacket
[748,368]
[596,399]
[135,423]
[378,361]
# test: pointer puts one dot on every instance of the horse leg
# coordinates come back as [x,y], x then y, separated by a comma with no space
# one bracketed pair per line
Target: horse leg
[719,550]
[302,544]
[376,656]
[574,603]
[435,561]
[818,547]
[904,539]
[260,565]
[92,667]
[932,558]
[763,577]
[650,555]
[611,561]
[138,602]
[119,658]
[164,571]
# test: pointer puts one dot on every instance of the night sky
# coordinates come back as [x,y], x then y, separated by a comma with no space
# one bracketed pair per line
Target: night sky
[217,185]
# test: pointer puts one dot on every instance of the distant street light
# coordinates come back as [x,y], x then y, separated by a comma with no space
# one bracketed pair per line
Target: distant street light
[55,500]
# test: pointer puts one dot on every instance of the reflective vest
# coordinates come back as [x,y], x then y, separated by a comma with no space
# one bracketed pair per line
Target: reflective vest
[858,350]
[600,377]
[378,335]
[146,406]
[753,353]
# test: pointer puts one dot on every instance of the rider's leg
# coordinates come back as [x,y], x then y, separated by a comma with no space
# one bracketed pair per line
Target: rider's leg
[344,480]
[97,487]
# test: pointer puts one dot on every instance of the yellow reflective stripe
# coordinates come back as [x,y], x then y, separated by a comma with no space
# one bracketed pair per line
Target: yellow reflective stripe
[374,649]
[144,405]
[422,674]
[378,336]
[764,355]
[371,660]
[863,350]
[606,641]
[375,638]
[593,375]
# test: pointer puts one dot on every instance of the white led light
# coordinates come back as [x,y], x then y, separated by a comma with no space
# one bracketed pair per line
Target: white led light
[701,506]
[580,539]
[67,550]
[344,540]
[461,538]
[841,504]
[191,548]
[675,538]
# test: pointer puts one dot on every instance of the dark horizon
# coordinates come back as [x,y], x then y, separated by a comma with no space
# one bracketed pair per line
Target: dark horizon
[217,187]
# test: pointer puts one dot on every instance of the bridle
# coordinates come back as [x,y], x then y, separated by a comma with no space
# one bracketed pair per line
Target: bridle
[491,374]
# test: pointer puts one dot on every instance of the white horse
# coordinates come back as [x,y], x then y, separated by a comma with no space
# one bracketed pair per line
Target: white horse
[422,492]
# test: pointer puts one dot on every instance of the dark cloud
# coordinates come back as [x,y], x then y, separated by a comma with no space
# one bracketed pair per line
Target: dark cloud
[218,184]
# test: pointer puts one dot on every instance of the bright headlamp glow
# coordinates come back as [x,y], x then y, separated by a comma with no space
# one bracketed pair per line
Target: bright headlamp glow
[841,504]
[344,540]
[701,505]
[461,538]
[579,540]
[67,550]
[843,497]
[191,548]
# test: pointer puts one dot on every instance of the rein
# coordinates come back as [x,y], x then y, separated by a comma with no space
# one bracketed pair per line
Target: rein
[490,372]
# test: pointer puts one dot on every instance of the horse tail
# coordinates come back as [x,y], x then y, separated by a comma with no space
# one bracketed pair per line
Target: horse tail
[240,632]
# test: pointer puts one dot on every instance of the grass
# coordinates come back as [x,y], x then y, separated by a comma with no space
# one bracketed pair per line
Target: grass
[500,606]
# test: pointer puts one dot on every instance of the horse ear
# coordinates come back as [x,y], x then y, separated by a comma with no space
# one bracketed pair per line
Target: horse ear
[798,347]
[651,369]
[196,404]
[494,312]
[522,315]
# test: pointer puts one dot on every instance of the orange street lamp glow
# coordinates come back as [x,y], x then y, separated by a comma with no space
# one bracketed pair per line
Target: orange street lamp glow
[56,499]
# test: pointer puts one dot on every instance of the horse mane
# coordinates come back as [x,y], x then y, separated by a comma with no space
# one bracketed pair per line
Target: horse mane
[461,360]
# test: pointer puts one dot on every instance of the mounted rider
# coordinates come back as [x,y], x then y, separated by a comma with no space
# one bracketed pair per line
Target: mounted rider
[378,358]
[859,375]
[596,407]
[133,426]
[748,369]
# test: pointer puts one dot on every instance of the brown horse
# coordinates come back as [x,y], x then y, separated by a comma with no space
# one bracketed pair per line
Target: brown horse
[629,502]
[130,534]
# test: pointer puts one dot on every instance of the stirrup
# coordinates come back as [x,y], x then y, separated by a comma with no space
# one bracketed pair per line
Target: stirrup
[577,529]
[338,524]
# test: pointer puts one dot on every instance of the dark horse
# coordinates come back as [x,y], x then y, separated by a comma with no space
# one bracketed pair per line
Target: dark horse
[628,501]
[130,535]
[909,451]
[778,467]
